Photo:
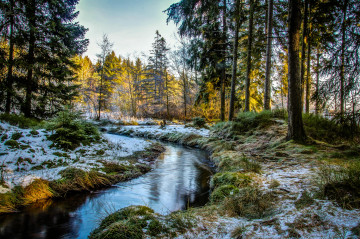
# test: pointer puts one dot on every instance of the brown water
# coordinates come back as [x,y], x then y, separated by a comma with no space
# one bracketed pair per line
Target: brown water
[180,179]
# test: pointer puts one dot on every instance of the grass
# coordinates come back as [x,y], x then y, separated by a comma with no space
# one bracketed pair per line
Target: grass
[235,179]
[250,202]
[341,183]
[20,121]
[12,144]
[39,189]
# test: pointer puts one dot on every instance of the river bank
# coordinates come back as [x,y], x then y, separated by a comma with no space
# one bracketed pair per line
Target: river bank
[32,169]
[266,187]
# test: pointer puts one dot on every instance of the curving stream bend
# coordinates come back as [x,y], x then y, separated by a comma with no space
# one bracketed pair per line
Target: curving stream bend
[180,179]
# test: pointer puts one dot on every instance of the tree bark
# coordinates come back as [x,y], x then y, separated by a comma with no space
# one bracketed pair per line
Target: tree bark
[308,78]
[295,124]
[10,80]
[31,8]
[223,70]
[303,47]
[235,57]
[317,80]
[342,67]
[248,61]
[267,95]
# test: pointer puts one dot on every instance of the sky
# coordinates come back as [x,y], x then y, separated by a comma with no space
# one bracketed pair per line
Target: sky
[129,24]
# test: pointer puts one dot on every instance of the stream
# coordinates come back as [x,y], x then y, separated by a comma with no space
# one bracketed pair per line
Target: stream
[180,179]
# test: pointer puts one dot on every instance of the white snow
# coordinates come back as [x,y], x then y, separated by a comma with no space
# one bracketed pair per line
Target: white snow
[37,158]
[157,130]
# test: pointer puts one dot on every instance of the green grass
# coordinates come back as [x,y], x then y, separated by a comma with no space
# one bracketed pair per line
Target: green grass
[341,183]
[20,121]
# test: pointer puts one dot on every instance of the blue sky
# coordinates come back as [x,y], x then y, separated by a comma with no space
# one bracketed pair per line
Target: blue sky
[129,24]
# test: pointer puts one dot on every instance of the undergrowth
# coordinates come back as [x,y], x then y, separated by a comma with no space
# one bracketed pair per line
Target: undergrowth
[341,183]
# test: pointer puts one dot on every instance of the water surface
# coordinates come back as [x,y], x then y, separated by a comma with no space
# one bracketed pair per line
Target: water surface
[180,179]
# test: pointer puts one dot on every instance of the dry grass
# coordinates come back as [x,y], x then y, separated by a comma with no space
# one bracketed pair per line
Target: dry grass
[39,189]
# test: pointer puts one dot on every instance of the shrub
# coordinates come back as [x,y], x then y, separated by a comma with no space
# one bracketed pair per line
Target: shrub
[198,122]
[341,183]
[16,135]
[321,128]
[19,120]
[12,144]
[71,131]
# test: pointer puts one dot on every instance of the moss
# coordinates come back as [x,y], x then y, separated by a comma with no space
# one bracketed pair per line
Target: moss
[121,229]
[100,152]
[223,191]
[61,154]
[12,144]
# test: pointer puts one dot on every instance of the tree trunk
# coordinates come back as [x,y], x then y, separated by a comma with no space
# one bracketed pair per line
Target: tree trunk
[248,61]
[101,87]
[308,78]
[184,92]
[295,123]
[31,8]
[10,80]
[303,47]
[342,69]
[317,80]
[235,57]
[223,70]
[167,96]
[267,95]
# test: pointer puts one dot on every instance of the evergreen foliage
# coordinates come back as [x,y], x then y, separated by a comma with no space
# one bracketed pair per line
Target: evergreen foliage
[69,130]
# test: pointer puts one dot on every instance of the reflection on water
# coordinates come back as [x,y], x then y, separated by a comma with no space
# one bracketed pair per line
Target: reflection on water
[180,179]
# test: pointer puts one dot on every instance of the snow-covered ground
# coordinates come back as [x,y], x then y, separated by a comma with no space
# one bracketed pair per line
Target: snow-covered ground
[35,158]
[157,130]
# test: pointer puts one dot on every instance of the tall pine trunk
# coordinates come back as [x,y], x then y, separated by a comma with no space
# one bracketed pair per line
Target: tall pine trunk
[10,80]
[30,9]
[267,95]
[235,57]
[342,67]
[295,124]
[308,78]
[303,47]
[223,70]
[317,106]
[248,61]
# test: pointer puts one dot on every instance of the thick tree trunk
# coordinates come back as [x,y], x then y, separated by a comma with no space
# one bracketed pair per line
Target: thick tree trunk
[223,70]
[248,61]
[31,8]
[10,80]
[267,95]
[303,47]
[235,57]
[295,123]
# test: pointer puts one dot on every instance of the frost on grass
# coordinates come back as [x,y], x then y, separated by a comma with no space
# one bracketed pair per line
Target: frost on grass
[168,129]
[35,158]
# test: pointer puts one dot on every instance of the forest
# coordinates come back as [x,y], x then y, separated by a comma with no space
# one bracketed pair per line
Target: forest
[269,88]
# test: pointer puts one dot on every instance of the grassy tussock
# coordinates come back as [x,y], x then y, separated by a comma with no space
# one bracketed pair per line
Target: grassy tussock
[141,222]
[74,179]
[39,189]
[235,161]
[341,183]
[250,202]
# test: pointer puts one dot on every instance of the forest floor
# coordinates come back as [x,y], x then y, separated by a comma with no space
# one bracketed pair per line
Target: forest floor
[265,187]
